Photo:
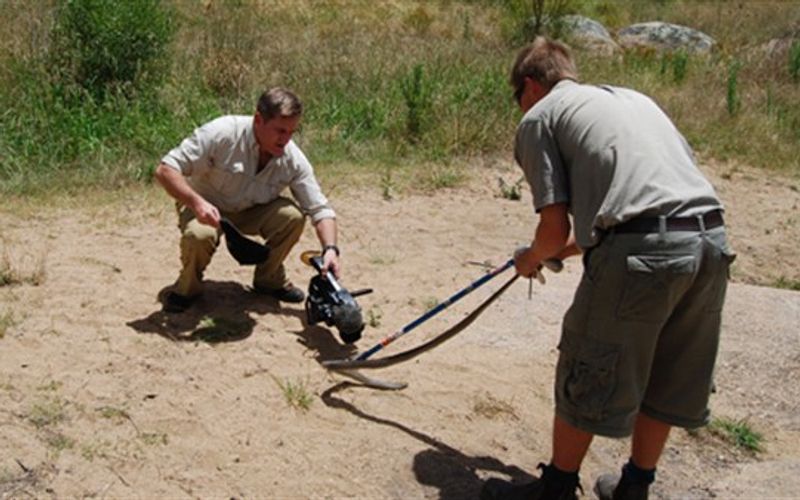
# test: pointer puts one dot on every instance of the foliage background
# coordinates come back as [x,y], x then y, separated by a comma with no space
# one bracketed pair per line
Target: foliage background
[94,92]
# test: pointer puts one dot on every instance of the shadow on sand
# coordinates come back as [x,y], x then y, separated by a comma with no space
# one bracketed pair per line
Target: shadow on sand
[221,314]
[454,473]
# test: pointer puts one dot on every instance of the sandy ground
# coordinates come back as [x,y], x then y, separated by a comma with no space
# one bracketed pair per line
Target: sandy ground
[102,395]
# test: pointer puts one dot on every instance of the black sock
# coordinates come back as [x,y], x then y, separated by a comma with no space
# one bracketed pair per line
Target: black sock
[635,474]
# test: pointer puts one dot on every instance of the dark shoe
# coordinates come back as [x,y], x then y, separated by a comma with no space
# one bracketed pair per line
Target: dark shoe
[177,303]
[553,485]
[612,487]
[288,293]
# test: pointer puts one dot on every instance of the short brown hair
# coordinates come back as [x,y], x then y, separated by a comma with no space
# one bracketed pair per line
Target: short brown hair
[547,61]
[279,101]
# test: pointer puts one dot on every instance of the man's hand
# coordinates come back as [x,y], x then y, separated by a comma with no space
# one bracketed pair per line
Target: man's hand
[526,264]
[205,212]
[330,262]
[326,232]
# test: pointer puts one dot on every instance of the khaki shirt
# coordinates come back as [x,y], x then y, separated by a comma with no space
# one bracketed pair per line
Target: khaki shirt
[220,160]
[610,154]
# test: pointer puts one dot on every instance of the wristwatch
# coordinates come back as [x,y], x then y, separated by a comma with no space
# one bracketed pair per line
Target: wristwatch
[330,247]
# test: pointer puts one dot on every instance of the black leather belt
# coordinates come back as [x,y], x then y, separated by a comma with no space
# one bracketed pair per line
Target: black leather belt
[651,224]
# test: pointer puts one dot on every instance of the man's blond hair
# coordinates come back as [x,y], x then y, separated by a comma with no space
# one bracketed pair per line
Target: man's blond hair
[279,102]
[544,60]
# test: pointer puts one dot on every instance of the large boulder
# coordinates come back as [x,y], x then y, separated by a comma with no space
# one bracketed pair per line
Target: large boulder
[589,34]
[665,37]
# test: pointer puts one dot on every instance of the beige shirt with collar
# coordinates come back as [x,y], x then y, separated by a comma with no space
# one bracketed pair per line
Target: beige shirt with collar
[220,160]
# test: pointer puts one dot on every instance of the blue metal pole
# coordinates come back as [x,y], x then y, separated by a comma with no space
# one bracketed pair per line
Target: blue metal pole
[440,307]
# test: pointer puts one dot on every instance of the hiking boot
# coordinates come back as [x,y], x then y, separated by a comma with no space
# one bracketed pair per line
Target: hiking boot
[177,303]
[616,487]
[289,293]
[553,485]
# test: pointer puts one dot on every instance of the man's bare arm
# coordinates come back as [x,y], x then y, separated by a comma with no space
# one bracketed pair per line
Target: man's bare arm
[175,185]
[552,240]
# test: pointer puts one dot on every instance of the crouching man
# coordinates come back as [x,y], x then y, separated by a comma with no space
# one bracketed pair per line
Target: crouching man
[236,167]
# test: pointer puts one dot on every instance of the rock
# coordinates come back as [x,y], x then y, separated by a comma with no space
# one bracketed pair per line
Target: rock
[665,37]
[587,33]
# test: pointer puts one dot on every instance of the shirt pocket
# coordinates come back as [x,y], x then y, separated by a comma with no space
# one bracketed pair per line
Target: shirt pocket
[651,284]
[230,180]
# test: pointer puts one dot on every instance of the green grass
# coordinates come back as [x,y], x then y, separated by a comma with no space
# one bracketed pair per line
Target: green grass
[508,191]
[296,393]
[154,438]
[47,413]
[782,282]
[417,84]
[441,177]
[113,413]
[94,450]
[59,442]
[794,61]
[739,433]
[214,330]
[374,316]
[51,386]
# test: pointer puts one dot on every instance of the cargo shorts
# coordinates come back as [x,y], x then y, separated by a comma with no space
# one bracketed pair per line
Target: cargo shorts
[642,332]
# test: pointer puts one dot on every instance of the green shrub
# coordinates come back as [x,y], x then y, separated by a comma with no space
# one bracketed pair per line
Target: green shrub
[738,432]
[794,61]
[105,46]
[733,100]
[384,83]
[418,95]
[680,62]
[525,19]
[787,283]
[675,64]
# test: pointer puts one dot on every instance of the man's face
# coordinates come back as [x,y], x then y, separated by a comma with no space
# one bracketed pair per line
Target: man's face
[273,135]
[529,93]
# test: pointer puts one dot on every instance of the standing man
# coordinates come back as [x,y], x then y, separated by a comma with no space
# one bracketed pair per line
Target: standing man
[639,342]
[236,167]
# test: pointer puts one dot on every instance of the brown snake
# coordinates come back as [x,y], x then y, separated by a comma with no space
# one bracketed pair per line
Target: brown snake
[348,367]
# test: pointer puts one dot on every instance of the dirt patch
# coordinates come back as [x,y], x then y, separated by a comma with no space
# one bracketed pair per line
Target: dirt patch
[103,395]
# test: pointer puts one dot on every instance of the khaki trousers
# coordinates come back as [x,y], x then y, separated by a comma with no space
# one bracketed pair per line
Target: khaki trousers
[279,222]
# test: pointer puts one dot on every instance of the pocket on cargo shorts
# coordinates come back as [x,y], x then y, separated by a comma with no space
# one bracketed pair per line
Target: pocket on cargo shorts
[586,377]
[646,294]
[725,256]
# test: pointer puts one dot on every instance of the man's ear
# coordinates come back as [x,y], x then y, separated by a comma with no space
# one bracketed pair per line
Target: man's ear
[538,89]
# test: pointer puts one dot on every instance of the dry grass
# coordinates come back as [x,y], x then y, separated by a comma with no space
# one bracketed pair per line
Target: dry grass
[349,59]
[27,269]
[47,413]
[7,321]
[490,407]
